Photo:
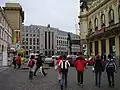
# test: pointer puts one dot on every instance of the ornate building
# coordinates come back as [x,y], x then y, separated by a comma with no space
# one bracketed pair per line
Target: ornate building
[99,27]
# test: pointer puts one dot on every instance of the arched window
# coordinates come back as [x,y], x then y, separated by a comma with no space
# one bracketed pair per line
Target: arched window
[90,26]
[96,24]
[102,20]
[111,17]
[119,12]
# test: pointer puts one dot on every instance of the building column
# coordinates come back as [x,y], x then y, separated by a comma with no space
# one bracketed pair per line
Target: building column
[99,47]
[107,47]
[93,48]
[88,47]
[117,51]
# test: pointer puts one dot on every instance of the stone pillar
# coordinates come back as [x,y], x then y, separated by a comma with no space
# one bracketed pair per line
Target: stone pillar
[93,48]
[99,46]
[117,52]
[5,59]
[107,47]
[88,47]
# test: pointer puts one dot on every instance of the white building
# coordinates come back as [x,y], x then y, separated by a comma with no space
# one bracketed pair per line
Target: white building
[5,38]
[47,40]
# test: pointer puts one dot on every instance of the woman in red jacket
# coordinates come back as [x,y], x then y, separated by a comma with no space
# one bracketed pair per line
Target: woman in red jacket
[80,64]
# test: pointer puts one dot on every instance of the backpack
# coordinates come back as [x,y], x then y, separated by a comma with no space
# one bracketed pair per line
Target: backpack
[110,66]
[31,63]
[63,66]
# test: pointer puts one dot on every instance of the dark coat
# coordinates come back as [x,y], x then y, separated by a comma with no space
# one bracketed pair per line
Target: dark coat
[39,61]
[99,65]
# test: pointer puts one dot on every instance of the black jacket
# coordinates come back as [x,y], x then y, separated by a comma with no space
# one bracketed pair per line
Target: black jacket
[99,67]
[39,61]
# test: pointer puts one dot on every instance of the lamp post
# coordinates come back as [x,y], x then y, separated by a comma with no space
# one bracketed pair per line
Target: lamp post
[25,42]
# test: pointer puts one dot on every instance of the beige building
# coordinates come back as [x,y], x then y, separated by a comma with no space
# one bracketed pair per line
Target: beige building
[99,27]
[15,16]
[5,38]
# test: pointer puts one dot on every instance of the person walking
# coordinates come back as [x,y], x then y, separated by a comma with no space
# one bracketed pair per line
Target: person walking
[80,65]
[111,68]
[14,60]
[99,68]
[58,68]
[18,61]
[64,64]
[39,64]
[31,65]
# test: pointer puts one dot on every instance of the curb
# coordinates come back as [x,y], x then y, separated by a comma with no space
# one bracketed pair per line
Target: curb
[3,68]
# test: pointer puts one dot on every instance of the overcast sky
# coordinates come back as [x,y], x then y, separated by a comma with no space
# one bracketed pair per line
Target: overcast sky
[58,13]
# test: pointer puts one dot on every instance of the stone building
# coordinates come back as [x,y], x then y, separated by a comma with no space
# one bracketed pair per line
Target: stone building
[100,27]
[15,16]
[5,38]
[47,40]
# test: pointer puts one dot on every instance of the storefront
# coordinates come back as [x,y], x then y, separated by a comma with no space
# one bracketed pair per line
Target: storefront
[105,42]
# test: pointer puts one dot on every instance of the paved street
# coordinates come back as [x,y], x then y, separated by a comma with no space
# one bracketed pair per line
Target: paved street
[14,79]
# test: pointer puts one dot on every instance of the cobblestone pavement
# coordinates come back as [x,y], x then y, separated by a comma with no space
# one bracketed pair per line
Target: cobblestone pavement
[15,79]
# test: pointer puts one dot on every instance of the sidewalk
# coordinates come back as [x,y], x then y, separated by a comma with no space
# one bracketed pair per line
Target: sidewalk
[2,68]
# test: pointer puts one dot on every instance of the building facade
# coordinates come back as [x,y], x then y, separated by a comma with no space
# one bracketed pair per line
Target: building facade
[47,40]
[5,38]
[99,27]
[15,16]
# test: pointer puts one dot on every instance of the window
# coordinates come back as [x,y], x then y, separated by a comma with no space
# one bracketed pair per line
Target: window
[33,35]
[102,20]
[26,34]
[119,12]
[111,17]
[96,24]
[90,26]
[37,41]
[30,47]
[37,47]
[30,35]
[30,41]
[33,47]
[26,39]
[33,41]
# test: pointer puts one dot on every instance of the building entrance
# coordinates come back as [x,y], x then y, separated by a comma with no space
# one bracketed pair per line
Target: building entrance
[103,46]
[112,45]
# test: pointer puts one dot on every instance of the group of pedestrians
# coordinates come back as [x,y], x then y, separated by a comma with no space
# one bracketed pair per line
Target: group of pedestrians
[17,60]
[99,64]
[39,65]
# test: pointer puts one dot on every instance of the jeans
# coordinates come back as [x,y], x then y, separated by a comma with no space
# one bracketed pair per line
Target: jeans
[110,76]
[19,65]
[64,79]
[80,77]
[98,77]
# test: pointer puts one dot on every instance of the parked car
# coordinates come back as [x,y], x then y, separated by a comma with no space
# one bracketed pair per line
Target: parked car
[49,61]
[71,59]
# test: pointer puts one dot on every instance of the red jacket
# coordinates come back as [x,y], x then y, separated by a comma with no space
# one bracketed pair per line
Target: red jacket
[80,65]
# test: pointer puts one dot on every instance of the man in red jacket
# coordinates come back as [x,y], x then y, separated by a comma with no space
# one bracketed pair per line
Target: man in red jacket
[80,64]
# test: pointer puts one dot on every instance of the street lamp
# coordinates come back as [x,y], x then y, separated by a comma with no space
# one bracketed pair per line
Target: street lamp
[25,43]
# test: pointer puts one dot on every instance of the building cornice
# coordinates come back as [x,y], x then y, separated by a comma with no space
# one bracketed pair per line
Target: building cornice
[95,9]
[16,9]
[5,17]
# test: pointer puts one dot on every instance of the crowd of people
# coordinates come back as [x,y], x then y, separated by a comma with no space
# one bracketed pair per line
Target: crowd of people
[99,64]
[62,65]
